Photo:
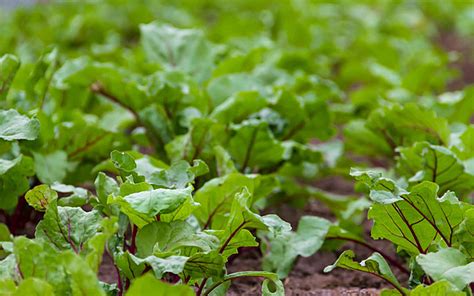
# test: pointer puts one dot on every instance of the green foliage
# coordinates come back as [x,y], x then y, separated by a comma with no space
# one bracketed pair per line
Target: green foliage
[375,264]
[158,135]
[448,264]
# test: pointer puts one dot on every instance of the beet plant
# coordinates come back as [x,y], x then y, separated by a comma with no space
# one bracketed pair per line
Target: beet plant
[146,147]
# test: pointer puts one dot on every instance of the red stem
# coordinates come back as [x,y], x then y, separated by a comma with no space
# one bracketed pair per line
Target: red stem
[133,246]
[221,250]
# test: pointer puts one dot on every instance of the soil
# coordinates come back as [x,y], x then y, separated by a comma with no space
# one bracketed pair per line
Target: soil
[464,47]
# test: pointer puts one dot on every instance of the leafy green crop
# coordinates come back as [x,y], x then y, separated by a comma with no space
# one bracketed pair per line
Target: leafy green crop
[158,138]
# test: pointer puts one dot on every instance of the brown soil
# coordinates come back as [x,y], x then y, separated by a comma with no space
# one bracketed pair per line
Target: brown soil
[464,47]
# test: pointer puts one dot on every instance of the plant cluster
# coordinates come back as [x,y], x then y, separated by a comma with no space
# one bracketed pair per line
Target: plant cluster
[155,136]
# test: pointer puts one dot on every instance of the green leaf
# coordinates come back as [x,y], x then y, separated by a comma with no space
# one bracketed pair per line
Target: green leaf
[149,285]
[105,186]
[224,163]
[375,265]
[14,126]
[439,288]
[94,248]
[181,49]
[198,142]
[448,264]
[9,64]
[253,146]
[287,246]
[291,108]
[65,271]
[82,279]
[238,107]
[52,167]
[40,197]
[382,190]
[34,286]
[241,216]
[242,238]
[160,266]
[142,207]
[363,140]
[396,125]
[175,237]
[205,265]
[418,221]
[129,187]
[8,267]
[123,161]
[464,149]
[223,87]
[179,175]
[216,196]
[14,179]
[434,163]
[38,83]
[464,236]
[68,228]
[128,264]
[71,196]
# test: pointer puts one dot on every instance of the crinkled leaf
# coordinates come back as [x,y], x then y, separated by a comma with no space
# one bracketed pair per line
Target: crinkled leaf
[123,161]
[238,107]
[396,125]
[8,267]
[253,146]
[160,266]
[14,126]
[242,238]
[224,163]
[418,221]
[65,271]
[71,196]
[40,197]
[223,87]
[216,196]
[160,237]
[204,265]
[434,163]
[105,186]
[52,167]
[14,179]
[448,264]
[142,207]
[68,228]
[198,142]
[441,288]
[182,49]
[34,286]
[179,175]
